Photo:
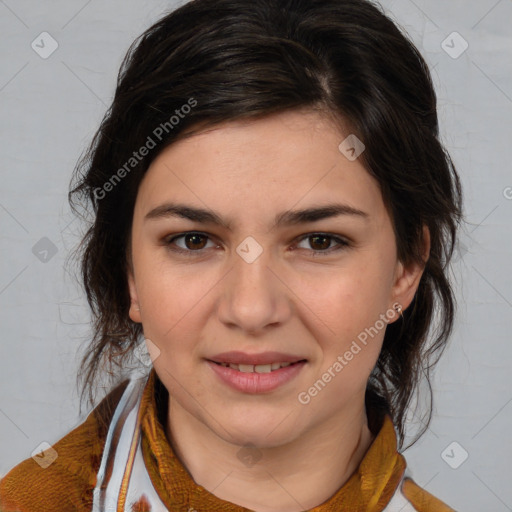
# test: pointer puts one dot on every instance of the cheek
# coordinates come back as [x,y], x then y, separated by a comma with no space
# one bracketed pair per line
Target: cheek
[354,307]
[165,290]
[349,302]
[172,302]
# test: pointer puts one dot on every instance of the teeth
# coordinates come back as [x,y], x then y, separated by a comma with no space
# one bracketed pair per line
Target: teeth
[263,368]
[255,368]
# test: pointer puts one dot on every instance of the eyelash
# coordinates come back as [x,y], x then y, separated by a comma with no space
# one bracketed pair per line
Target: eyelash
[342,244]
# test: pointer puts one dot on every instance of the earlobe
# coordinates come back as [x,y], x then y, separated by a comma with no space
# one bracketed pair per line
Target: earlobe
[407,277]
[134,299]
[406,284]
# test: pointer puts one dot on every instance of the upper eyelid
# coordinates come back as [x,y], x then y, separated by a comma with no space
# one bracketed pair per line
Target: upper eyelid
[322,233]
[304,235]
[341,240]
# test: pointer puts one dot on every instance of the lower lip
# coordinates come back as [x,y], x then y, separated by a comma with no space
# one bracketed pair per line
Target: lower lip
[256,382]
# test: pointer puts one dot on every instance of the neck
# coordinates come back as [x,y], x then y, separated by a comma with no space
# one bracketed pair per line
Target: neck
[299,475]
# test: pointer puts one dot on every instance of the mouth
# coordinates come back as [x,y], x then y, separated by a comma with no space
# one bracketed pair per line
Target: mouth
[256,378]
[258,368]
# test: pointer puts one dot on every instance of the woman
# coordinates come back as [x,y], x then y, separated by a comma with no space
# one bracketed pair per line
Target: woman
[241,135]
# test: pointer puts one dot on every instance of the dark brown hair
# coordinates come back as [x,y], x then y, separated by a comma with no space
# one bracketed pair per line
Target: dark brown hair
[232,59]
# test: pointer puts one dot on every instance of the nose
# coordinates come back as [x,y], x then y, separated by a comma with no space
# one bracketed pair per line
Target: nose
[254,295]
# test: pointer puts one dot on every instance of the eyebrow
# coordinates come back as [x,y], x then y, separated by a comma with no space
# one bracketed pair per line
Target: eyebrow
[286,218]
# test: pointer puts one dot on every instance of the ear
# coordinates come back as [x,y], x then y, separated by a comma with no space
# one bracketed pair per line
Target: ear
[134,299]
[407,278]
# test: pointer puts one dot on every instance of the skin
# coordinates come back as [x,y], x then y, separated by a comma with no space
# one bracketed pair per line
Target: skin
[290,299]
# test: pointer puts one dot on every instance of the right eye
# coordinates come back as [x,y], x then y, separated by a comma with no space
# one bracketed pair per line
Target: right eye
[194,242]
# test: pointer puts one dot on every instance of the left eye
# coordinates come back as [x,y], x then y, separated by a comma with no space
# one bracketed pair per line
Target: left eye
[323,241]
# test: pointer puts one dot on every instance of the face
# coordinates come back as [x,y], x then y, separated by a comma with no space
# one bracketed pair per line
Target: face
[257,277]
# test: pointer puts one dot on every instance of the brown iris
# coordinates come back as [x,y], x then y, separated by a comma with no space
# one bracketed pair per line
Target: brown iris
[315,238]
[194,237]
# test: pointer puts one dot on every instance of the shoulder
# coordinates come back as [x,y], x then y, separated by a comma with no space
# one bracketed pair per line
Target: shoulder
[421,500]
[66,476]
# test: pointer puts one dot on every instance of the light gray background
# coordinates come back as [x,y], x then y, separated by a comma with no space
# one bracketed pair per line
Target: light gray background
[50,110]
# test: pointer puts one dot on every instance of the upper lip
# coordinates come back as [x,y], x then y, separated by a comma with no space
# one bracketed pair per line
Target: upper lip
[236,357]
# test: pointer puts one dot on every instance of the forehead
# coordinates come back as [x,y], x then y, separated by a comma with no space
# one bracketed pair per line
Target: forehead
[285,160]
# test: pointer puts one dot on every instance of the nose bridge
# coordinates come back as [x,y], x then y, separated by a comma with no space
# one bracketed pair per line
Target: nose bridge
[253,296]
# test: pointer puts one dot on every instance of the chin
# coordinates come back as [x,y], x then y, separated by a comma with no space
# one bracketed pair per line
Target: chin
[260,430]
